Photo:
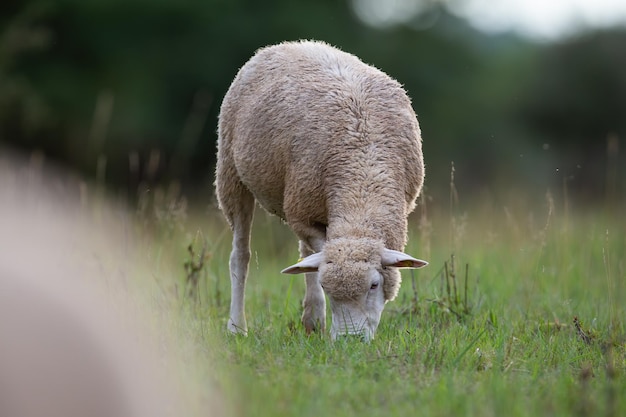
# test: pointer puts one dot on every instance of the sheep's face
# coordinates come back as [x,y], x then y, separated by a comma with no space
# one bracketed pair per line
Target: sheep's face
[356,309]
[356,275]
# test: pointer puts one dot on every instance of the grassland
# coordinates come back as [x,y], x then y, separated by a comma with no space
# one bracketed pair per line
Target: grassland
[486,330]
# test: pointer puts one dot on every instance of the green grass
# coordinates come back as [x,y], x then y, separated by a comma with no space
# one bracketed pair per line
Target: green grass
[507,348]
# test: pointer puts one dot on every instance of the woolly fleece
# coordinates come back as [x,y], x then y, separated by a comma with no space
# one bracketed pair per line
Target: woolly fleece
[330,145]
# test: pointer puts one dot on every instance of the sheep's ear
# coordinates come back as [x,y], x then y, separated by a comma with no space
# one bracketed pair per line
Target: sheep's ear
[397,259]
[308,264]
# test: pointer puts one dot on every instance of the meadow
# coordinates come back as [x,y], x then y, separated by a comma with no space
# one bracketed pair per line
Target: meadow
[521,312]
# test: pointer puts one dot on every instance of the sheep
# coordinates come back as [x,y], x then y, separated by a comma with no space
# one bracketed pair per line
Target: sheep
[81,333]
[332,146]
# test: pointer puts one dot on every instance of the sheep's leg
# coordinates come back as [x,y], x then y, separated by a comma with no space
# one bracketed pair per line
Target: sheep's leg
[314,303]
[237,203]
[239,261]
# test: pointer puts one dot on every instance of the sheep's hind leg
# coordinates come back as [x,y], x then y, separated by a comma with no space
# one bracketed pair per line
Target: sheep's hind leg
[314,303]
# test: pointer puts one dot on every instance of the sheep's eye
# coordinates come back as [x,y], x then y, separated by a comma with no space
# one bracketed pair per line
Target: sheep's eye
[374,286]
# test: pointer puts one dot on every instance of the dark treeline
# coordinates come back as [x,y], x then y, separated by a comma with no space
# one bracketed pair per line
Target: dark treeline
[131,88]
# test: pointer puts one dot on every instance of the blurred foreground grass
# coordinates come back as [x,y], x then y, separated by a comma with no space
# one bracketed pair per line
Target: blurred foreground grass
[520,313]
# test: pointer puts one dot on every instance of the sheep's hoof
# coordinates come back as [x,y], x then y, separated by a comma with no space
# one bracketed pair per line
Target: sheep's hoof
[237,329]
[312,325]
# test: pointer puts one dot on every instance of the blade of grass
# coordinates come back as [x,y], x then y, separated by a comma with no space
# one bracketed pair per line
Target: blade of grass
[456,361]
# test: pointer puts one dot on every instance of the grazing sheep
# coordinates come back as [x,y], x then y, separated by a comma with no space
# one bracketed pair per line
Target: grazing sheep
[332,146]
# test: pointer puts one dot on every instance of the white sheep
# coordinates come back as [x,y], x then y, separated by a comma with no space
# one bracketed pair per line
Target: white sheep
[332,146]
[78,336]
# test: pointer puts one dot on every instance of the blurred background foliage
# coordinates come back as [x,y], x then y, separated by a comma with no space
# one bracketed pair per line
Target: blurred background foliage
[129,90]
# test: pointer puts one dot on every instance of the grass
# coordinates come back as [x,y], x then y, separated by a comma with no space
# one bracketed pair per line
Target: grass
[521,312]
[487,329]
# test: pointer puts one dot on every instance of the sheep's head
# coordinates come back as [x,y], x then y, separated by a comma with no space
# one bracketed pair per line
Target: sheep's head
[359,276]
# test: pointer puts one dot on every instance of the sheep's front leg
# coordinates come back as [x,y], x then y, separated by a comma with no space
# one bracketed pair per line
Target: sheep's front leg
[239,260]
[239,211]
[314,315]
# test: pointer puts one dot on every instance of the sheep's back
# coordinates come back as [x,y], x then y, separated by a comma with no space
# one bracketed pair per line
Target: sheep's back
[295,109]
